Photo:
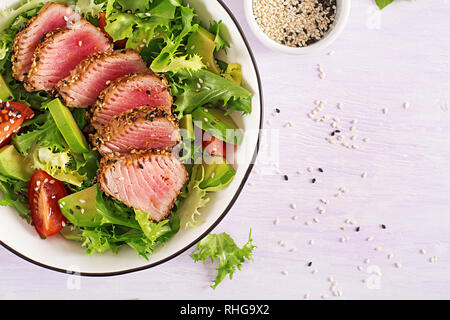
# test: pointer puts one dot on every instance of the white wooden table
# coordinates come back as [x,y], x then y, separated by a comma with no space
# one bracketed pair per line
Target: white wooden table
[382,60]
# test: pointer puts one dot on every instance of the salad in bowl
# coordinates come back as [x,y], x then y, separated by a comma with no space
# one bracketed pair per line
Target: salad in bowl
[120,120]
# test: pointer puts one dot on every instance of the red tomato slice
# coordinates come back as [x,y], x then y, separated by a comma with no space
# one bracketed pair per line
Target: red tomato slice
[44,191]
[102,25]
[12,116]
[215,146]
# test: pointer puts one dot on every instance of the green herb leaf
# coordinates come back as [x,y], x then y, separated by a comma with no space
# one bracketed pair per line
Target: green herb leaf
[223,248]
[383,3]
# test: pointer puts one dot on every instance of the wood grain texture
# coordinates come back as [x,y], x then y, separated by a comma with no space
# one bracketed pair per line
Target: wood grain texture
[382,60]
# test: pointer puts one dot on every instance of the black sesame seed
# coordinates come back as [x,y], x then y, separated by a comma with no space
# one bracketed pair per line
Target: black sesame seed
[37,59]
[71,211]
[148,92]
[277,110]
[78,207]
[313,180]
[286,177]
[320,170]
[383,226]
[141,166]
[309,264]
[357,229]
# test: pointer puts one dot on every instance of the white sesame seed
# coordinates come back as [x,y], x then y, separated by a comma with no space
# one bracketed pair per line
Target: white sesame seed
[52,181]
[308,223]
[80,43]
[340,106]
[315,271]
[330,53]
[365,140]
[63,223]
[316,220]
[367,261]
[66,18]
[406,105]
[364,175]
[377,249]
[36,189]
[293,206]
[360,268]
[306,296]
[310,169]
[6,128]
[311,242]
[398,265]
[423,251]
[390,256]
[294,218]
[385,110]
[369,239]
[82,201]
[433,259]
[285,273]
[293,250]
[299,172]
[276,221]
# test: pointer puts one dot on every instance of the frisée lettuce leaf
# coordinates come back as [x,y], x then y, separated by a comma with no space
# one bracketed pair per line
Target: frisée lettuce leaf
[223,248]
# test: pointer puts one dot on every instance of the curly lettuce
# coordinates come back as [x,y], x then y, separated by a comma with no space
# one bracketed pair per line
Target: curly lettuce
[223,248]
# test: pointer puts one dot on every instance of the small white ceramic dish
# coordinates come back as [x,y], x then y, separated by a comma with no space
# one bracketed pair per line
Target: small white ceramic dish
[59,254]
[342,13]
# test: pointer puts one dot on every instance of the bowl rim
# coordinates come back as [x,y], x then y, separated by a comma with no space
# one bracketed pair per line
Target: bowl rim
[338,26]
[221,217]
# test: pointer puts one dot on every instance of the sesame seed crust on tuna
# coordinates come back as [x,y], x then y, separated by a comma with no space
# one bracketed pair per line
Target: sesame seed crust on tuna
[121,123]
[84,68]
[17,64]
[106,94]
[29,84]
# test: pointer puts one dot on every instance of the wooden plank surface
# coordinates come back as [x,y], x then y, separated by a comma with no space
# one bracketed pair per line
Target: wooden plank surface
[382,60]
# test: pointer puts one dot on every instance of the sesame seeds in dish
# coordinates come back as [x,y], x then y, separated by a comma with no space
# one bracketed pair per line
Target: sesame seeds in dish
[295,23]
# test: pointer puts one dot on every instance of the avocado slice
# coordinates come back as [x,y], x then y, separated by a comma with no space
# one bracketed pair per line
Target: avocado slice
[5,93]
[202,43]
[217,123]
[218,174]
[14,165]
[187,125]
[79,208]
[68,126]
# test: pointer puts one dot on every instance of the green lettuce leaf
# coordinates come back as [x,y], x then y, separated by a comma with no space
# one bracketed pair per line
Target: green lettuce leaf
[15,195]
[56,165]
[215,28]
[383,3]
[213,90]
[43,131]
[195,199]
[223,248]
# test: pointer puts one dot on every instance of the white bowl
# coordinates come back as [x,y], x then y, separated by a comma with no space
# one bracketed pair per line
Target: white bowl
[62,255]
[342,13]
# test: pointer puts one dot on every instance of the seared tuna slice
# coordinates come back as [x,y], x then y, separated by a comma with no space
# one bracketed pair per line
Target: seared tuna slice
[149,181]
[94,73]
[51,17]
[129,92]
[61,51]
[138,129]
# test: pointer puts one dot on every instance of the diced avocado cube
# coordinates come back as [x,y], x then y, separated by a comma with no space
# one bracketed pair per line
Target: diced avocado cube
[68,126]
[14,165]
